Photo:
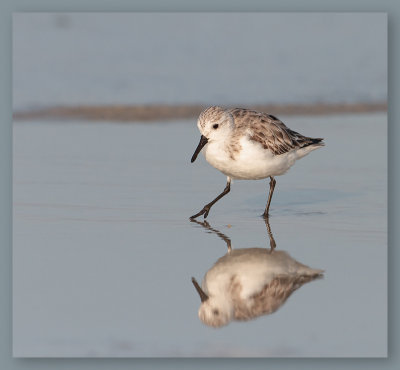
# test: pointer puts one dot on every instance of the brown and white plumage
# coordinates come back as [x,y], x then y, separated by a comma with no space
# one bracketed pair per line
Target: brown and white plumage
[272,296]
[248,283]
[249,145]
[269,131]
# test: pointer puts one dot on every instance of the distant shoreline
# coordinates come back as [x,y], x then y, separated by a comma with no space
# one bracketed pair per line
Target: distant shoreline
[159,112]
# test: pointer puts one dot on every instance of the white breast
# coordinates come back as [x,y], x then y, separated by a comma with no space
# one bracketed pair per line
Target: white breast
[252,162]
[253,268]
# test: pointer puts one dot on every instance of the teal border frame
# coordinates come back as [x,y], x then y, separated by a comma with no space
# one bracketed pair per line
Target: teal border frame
[7,7]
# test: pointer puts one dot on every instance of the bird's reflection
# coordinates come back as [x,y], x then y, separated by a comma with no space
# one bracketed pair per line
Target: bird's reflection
[247,283]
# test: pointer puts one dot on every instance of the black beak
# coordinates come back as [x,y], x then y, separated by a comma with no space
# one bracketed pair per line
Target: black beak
[203,141]
[203,296]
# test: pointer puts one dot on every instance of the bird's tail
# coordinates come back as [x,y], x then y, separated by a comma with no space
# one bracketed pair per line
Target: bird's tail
[316,142]
[310,145]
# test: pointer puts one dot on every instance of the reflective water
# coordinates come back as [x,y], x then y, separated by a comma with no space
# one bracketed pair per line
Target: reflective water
[104,250]
[249,282]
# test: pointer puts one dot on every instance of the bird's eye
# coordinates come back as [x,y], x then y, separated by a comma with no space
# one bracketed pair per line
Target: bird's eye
[216,312]
[215,126]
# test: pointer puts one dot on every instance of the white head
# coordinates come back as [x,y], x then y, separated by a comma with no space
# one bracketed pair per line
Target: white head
[215,124]
[214,311]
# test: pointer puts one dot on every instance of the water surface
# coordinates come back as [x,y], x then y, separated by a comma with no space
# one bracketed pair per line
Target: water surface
[104,250]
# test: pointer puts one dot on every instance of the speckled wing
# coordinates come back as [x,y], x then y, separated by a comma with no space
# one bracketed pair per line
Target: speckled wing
[272,296]
[269,131]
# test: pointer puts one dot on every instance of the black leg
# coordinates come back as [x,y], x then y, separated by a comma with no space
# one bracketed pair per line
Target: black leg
[272,243]
[206,225]
[208,206]
[271,191]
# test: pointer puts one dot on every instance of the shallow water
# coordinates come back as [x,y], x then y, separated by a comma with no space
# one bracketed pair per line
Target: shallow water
[104,250]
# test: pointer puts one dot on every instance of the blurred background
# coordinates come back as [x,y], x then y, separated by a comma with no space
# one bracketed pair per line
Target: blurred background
[105,108]
[75,59]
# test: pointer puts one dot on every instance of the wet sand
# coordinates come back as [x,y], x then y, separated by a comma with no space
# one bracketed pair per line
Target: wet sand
[126,113]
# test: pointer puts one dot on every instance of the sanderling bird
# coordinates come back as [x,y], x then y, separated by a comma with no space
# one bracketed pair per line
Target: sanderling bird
[247,283]
[247,145]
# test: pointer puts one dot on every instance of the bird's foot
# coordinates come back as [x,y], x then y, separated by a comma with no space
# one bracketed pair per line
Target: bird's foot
[204,211]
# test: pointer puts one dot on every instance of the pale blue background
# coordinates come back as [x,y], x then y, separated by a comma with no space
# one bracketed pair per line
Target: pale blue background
[198,58]
[5,169]
[89,194]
